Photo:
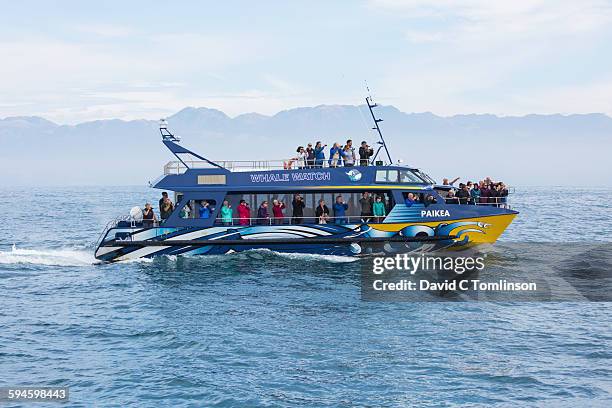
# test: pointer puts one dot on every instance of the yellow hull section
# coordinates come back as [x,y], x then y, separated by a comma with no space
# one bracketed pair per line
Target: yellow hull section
[491,227]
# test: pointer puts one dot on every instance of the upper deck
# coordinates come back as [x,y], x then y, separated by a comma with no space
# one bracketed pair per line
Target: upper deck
[281,175]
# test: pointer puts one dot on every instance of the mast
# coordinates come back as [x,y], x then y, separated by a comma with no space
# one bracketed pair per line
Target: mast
[171,141]
[382,142]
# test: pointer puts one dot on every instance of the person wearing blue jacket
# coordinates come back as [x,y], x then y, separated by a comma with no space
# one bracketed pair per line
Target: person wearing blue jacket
[335,155]
[319,155]
[340,208]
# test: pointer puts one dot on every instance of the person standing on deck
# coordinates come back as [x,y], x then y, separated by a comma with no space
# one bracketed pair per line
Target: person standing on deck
[204,210]
[148,216]
[365,152]
[161,204]
[263,216]
[475,193]
[322,212]
[445,181]
[366,203]
[298,209]
[226,213]
[244,213]
[348,154]
[335,155]
[319,155]
[340,208]
[166,208]
[310,156]
[277,210]
[379,209]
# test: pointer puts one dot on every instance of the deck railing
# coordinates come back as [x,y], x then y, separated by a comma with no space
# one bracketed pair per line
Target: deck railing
[177,167]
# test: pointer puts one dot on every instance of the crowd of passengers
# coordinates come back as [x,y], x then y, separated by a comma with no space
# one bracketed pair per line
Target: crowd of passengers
[372,207]
[483,192]
[339,155]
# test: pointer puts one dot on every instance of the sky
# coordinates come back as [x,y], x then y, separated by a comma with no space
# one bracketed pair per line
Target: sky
[74,61]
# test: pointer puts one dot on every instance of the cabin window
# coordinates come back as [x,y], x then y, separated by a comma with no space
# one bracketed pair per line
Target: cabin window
[408,176]
[198,209]
[387,176]
[419,197]
[212,179]
[311,201]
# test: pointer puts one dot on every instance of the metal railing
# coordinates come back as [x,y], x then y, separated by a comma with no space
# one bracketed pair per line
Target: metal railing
[177,167]
[501,202]
[299,220]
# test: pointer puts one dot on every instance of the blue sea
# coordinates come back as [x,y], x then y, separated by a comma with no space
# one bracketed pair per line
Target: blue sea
[265,329]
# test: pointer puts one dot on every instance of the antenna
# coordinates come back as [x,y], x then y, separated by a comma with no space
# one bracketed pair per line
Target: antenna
[382,143]
[165,133]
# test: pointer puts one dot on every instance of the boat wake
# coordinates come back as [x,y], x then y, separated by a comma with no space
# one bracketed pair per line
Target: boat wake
[253,254]
[47,257]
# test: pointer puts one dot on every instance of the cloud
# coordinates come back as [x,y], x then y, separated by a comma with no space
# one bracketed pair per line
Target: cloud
[501,57]
[105,30]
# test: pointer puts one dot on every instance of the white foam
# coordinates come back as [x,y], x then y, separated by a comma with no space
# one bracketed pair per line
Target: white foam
[50,257]
[306,257]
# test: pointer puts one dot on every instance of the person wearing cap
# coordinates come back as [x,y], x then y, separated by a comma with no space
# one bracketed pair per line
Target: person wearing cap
[365,152]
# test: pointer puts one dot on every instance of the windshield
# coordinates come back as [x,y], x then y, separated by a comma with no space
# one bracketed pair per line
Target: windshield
[408,176]
[425,177]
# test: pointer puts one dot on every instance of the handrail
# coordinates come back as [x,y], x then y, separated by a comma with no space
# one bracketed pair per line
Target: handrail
[501,202]
[298,220]
[178,167]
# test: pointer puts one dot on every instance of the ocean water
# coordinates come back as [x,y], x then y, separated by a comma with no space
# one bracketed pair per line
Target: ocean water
[265,329]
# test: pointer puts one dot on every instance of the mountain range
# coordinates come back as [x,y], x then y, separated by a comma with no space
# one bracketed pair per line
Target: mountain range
[522,150]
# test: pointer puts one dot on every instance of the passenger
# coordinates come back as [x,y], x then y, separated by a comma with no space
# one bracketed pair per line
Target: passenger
[446,183]
[429,200]
[226,213]
[263,216]
[494,195]
[148,216]
[298,209]
[244,213]
[348,154]
[322,212]
[301,158]
[379,209]
[185,211]
[340,208]
[451,199]
[475,194]
[366,203]
[335,155]
[410,200]
[503,193]
[365,152]
[485,191]
[166,208]
[310,156]
[319,151]
[204,209]
[161,200]
[277,210]
[463,194]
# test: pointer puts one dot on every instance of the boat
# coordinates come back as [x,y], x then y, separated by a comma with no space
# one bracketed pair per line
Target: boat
[417,214]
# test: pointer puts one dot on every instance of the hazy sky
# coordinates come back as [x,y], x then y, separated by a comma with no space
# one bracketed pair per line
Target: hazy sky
[75,61]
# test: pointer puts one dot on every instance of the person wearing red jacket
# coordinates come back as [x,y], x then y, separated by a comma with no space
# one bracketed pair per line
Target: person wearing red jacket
[277,210]
[244,213]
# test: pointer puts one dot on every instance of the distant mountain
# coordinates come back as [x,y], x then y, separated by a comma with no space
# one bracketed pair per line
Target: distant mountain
[528,150]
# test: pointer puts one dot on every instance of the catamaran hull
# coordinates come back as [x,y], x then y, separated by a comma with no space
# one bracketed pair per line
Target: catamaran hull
[121,244]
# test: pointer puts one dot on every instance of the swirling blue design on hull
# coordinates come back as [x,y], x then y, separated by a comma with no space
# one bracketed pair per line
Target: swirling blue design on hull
[292,234]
